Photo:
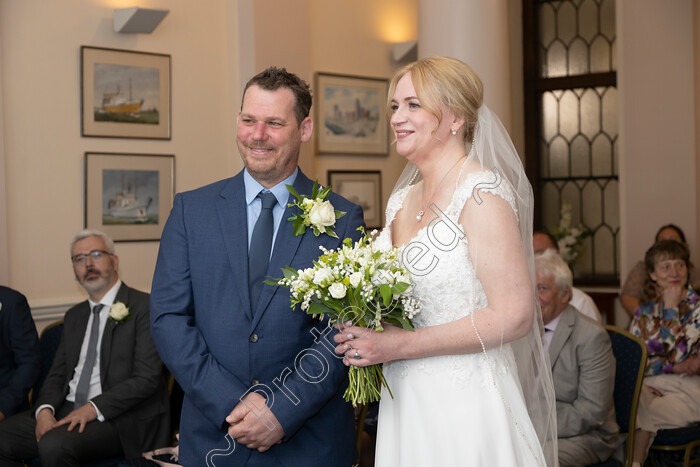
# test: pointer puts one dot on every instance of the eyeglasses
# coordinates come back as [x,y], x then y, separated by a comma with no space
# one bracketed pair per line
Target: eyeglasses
[95,255]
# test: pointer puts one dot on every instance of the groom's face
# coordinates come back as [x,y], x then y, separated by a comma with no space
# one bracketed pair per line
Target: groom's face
[269,137]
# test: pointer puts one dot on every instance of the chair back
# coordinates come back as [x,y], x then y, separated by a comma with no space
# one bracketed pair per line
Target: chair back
[48,342]
[630,358]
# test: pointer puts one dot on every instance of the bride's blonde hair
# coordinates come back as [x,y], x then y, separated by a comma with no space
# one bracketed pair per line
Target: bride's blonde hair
[444,83]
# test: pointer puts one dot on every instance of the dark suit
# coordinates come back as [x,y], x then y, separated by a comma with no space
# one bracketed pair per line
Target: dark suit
[583,370]
[217,347]
[134,397]
[20,355]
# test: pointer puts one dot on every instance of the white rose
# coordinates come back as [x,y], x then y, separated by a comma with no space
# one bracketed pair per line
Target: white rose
[323,275]
[322,214]
[401,277]
[119,311]
[356,278]
[337,290]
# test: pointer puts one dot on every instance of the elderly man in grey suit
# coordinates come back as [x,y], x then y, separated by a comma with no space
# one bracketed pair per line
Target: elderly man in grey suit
[106,393]
[583,369]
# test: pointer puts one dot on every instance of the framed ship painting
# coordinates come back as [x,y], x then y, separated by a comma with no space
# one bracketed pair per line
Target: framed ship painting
[350,115]
[124,94]
[128,196]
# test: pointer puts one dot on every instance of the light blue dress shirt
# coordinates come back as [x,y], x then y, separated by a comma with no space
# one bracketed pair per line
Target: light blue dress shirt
[254,204]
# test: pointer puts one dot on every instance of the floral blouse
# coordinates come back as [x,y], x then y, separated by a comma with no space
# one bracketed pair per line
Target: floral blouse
[671,334]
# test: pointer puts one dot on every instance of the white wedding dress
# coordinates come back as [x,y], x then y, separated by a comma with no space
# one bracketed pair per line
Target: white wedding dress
[455,410]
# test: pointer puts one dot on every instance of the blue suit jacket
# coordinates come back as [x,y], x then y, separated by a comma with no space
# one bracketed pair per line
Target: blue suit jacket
[218,348]
[20,355]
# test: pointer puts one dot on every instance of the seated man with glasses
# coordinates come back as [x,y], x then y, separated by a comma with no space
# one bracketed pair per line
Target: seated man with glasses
[106,393]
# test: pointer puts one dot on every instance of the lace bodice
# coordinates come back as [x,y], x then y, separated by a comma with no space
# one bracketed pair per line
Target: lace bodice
[450,290]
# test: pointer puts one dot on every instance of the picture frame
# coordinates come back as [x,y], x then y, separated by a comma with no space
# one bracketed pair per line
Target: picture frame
[363,187]
[128,196]
[124,94]
[350,114]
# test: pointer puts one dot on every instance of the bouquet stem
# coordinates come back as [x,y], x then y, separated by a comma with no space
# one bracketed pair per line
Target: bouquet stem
[365,385]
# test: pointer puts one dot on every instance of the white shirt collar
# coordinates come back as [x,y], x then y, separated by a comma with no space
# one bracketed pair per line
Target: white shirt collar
[109,297]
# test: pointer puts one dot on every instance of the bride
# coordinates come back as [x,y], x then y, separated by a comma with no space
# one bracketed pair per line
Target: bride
[471,385]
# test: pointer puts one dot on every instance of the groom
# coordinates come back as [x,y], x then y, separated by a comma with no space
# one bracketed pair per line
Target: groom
[251,366]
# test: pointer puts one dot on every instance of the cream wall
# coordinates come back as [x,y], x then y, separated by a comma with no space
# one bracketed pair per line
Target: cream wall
[696,48]
[4,268]
[214,49]
[360,41]
[658,158]
[334,37]
[44,153]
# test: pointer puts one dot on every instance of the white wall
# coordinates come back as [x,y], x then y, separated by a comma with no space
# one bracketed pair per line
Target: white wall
[477,33]
[696,48]
[334,37]
[40,48]
[4,267]
[658,158]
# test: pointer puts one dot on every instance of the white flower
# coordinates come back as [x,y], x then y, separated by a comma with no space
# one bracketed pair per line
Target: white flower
[322,215]
[118,312]
[323,275]
[337,290]
[356,278]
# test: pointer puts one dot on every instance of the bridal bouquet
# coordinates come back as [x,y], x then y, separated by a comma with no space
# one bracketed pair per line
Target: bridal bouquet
[357,283]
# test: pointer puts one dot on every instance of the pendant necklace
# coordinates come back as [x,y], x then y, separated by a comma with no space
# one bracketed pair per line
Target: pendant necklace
[421,212]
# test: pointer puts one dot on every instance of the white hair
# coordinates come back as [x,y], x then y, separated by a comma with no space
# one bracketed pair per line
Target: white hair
[550,264]
[109,243]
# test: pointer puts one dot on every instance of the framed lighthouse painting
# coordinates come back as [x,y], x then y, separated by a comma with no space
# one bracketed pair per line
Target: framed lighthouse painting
[128,196]
[124,94]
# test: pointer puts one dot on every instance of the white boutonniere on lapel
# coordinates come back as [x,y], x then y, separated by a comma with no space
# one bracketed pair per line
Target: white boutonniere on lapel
[119,313]
[317,213]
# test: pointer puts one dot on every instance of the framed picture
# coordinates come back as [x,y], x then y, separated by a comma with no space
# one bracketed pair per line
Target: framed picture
[363,188]
[350,115]
[124,94]
[128,196]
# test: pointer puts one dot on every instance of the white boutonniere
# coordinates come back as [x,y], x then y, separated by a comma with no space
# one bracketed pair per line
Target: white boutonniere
[317,213]
[119,313]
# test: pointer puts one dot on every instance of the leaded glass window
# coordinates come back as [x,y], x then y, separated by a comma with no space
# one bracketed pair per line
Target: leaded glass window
[571,123]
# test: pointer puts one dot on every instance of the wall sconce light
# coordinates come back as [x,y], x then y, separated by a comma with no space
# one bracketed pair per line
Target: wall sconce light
[139,20]
[406,51]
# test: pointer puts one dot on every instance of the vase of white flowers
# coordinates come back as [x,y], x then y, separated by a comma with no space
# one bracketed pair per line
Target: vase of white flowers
[569,239]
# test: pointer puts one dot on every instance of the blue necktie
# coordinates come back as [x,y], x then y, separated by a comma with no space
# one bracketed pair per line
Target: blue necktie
[260,248]
[83,387]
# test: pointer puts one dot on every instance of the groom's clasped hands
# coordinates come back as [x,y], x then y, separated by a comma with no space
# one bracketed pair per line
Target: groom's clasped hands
[248,429]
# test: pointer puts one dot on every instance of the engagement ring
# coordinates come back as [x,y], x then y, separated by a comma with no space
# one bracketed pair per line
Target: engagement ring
[356,356]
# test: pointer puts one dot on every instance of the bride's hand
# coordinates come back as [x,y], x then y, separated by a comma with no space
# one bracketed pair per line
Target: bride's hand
[372,347]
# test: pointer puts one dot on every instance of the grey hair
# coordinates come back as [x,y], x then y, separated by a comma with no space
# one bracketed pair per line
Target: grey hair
[109,243]
[550,264]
